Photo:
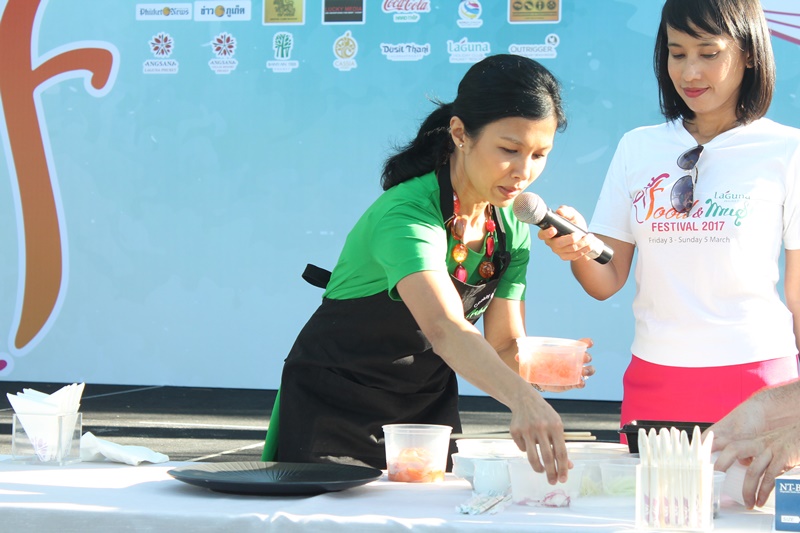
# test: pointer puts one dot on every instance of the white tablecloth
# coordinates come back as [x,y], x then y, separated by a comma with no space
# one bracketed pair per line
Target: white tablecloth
[111,497]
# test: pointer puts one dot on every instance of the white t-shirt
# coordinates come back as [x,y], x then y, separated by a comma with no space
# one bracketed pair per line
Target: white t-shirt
[706,284]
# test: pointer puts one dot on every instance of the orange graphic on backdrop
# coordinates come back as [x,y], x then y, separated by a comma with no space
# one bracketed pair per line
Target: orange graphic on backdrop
[19,80]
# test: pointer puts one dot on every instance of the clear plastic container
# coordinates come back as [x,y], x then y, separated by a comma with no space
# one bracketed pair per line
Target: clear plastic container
[619,477]
[529,487]
[416,453]
[550,360]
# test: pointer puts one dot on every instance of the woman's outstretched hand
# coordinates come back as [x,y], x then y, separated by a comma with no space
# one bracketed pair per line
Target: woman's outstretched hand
[538,430]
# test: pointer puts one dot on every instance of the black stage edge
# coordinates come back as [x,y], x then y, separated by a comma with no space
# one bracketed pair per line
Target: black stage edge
[215,424]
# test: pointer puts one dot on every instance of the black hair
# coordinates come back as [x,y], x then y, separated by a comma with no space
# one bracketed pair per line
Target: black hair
[744,22]
[499,86]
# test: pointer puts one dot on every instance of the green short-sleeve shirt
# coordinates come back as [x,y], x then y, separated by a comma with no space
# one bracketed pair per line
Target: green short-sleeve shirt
[403,232]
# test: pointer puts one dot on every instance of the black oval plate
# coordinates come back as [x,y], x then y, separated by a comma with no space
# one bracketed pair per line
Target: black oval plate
[275,478]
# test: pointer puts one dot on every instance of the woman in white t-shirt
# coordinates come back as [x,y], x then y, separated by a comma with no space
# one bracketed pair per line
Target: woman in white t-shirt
[707,198]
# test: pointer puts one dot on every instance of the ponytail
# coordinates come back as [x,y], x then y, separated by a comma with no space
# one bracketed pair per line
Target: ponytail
[429,149]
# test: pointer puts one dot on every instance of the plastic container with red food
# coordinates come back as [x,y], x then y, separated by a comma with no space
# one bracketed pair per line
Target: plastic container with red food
[416,453]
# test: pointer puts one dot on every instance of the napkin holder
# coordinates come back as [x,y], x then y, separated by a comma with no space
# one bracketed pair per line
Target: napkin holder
[46,439]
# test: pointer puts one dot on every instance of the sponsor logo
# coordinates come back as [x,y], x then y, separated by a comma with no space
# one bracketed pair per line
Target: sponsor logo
[163,11]
[534,11]
[222,10]
[406,10]
[405,51]
[282,44]
[546,50]
[469,13]
[161,46]
[465,51]
[284,11]
[345,49]
[343,12]
[224,47]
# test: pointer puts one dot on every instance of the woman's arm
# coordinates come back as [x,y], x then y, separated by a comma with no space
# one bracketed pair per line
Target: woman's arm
[504,323]
[791,290]
[599,281]
[437,308]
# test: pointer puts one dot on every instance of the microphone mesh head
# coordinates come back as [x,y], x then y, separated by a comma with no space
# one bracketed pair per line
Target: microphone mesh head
[530,208]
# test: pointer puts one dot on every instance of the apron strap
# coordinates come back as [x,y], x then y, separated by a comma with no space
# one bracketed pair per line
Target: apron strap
[316,276]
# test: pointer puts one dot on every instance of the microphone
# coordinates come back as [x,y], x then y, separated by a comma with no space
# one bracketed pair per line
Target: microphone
[531,209]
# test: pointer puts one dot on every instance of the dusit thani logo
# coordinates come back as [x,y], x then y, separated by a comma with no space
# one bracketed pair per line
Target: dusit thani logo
[405,51]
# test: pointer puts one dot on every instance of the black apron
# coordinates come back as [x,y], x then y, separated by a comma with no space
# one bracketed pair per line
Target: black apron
[361,363]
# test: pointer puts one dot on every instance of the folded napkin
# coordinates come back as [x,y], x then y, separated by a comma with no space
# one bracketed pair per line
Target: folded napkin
[94,449]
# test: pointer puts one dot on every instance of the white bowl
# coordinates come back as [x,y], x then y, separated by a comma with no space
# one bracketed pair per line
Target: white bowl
[488,448]
[463,466]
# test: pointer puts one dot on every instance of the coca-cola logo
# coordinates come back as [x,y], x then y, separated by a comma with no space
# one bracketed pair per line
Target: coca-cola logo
[406,6]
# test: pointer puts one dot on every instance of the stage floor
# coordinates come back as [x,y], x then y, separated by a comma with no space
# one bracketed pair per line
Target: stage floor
[208,424]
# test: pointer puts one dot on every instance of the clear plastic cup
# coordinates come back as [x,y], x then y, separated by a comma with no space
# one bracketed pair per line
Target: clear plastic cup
[529,487]
[550,360]
[719,481]
[416,453]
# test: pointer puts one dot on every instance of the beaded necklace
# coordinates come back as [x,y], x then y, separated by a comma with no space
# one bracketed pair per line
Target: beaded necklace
[458,225]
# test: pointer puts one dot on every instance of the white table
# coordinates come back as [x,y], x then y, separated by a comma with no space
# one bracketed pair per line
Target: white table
[110,497]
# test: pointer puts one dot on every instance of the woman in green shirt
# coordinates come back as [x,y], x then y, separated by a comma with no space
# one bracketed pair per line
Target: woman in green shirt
[437,250]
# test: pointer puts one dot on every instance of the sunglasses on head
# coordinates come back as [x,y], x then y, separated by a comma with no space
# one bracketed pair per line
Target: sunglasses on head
[682,195]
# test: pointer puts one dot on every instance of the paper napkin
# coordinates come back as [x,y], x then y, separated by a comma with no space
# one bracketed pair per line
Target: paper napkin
[94,449]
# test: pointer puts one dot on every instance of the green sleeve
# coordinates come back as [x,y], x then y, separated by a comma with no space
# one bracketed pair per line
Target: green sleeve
[411,240]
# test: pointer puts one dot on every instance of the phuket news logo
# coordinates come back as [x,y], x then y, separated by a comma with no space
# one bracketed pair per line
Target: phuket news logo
[223,10]
[406,10]
[163,11]
[546,50]
[469,13]
[161,46]
[282,44]
[405,51]
[345,49]
[224,48]
[465,51]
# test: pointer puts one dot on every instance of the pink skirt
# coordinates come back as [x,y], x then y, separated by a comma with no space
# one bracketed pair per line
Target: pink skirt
[703,394]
